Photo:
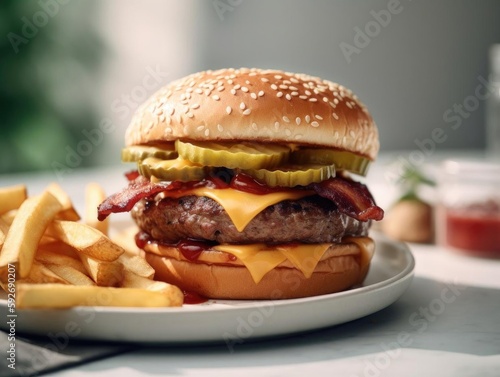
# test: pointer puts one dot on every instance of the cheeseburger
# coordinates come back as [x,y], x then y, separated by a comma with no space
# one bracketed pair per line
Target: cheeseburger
[244,185]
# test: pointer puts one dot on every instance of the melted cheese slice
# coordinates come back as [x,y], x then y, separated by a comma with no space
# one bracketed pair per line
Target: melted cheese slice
[242,206]
[259,259]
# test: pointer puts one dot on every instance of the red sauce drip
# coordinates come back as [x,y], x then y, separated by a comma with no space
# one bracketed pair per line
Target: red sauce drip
[191,298]
[191,249]
[131,175]
[142,239]
[475,228]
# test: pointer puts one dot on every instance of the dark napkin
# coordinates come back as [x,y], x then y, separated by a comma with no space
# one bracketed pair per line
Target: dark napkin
[35,356]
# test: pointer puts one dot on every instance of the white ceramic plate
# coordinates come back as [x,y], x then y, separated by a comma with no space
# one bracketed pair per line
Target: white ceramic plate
[232,322]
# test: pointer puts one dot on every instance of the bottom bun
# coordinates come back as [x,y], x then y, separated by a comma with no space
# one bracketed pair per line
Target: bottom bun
[342,266]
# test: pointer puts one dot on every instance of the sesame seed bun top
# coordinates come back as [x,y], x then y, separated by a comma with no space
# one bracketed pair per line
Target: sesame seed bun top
[256,105]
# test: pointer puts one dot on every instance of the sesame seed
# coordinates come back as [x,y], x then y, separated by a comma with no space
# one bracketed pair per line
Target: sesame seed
[274,87]
[244,89]
[303,97]
[315,124]
[247,82]
[279,77]
[288,97]
[325,99]
[335,116]
[198,90]
[279,94]
[335,101]
[190,114]
[195,106]
[295,94]
[263,79]
[230,82]
[200,128]
[242,106]
[283,86]
[308,119]
[220,128]
[291,87]
[233,91]
[294,80]
[298,120]
[318,117]
[237,86]
[207,132]
[308,92]
[261,93]
[254,126]
[221,88]
[215,97]
[247,112]
[313,100]
[348,104]
[276,125]
[229,110]
[253,95]
[285,118]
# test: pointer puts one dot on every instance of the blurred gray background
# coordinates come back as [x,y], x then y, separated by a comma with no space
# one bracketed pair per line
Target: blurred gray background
[410,62]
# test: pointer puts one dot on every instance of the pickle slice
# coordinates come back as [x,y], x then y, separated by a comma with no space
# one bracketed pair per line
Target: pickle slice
[342,160]
[140,152]
[293,175]
[243,155]
[171,170]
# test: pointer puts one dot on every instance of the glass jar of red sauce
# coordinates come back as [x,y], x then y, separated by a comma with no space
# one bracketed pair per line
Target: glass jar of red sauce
[468,213]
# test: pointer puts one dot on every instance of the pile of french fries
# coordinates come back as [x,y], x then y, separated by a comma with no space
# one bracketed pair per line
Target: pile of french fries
[62,262]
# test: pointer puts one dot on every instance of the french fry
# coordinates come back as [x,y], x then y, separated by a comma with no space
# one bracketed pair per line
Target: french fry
[94,195]
[105,274]
[68,211]
[62,263]
[41,274]
[131,280]
[26,231]
[85,239]
[70,274]
[12,197]
[48,256]
[4,229]
[8,217]
[137,265]
[65,296]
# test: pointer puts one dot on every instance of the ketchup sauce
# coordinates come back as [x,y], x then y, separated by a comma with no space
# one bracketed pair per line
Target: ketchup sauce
[193,298]
[475,228]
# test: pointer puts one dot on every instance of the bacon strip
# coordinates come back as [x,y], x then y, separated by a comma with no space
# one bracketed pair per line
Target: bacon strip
[351,198]
[125,200]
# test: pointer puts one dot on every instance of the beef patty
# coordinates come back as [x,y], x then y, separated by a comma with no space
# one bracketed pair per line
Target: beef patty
[311,219]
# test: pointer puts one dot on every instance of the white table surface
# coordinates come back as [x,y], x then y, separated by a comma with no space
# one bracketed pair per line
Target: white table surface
[319,353]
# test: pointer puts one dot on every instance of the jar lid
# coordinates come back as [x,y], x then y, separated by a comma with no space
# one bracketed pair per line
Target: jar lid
[472,169]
